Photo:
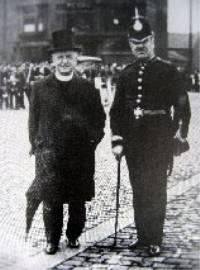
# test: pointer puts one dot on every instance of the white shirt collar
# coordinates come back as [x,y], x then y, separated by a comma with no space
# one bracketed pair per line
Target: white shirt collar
[64,78]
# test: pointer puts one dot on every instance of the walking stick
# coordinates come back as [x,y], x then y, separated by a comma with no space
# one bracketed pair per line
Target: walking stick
[114,244]
[117,200]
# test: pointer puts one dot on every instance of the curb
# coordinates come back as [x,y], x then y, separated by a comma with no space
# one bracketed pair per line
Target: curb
[41,261]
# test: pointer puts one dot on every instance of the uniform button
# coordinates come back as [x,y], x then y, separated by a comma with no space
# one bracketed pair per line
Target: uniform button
[141,72]
[138,100]
[139,79]
[140,87]
[139,95]
[142,67]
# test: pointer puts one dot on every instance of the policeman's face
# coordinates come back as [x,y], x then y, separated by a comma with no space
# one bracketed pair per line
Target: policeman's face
[65,62]
[142,49]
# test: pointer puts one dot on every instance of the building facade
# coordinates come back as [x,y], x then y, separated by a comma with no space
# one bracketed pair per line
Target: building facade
[99,27]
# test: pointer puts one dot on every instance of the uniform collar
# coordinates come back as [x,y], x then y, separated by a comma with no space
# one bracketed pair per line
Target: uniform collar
[146,62]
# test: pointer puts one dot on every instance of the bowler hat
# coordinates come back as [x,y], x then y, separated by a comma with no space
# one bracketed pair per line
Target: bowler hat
[63,40]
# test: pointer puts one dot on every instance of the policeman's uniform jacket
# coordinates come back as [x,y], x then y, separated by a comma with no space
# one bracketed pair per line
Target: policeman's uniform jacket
[66,122]
[141,120]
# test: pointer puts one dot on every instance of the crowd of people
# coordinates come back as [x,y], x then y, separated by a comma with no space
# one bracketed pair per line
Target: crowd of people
[195,81]
[16,80]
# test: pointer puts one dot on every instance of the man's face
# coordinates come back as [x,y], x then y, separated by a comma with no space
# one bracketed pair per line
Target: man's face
[142,49]
[65,62]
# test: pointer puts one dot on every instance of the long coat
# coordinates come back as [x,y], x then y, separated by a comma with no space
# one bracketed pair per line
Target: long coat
[66,122]
[147,139]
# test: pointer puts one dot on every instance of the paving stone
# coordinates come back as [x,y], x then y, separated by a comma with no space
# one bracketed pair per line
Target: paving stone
[82,268]
[133,259]
[140,268]
[100,267]
[185,266]
[87,264]
[173,261]
[63,267]
[96,260]
[94,256]
[73,262]
[154,259]
[118,267]
[145,263]
[163,265]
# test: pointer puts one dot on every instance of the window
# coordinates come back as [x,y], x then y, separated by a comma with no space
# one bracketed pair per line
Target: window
[80,20]
[29,25]
[40,27]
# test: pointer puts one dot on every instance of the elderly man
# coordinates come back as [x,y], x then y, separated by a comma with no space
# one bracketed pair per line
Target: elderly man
[143,130]
[66,122]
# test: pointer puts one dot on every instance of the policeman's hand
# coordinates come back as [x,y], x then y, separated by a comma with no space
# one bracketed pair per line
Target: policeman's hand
[118,151]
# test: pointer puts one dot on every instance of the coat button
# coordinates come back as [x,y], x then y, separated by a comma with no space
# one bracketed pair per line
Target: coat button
[139,79]
[139,95]
[140,87]
[141,72]
[138,100]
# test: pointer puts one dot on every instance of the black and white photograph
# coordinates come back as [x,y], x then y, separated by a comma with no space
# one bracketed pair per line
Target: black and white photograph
[99,134]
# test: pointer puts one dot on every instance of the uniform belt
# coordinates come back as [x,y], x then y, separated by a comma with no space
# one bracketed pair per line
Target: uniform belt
[139,112]
[154,112]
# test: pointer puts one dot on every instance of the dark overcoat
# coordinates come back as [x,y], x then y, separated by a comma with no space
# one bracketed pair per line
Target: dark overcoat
[155,86]
[66,122]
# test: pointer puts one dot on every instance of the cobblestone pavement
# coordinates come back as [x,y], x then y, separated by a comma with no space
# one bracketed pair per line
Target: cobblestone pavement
[17,172]
[181,245]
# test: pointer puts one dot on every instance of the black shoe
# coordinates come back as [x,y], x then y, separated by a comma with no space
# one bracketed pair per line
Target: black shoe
[73,243]
[136,244]
[51,248]
[154,250]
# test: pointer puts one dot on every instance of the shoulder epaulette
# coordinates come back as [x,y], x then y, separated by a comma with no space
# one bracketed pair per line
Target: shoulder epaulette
[128,66]
[165,61]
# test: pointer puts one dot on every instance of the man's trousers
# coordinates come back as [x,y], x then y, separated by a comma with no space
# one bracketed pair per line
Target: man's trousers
[53,220]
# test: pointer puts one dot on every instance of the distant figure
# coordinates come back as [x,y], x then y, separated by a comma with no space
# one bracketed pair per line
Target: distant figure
[4,102]
[197,81]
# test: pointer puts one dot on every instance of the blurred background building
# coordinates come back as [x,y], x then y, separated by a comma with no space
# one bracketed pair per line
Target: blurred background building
[99,28]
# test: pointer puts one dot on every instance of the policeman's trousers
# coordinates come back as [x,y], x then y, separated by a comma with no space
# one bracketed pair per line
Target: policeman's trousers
[149,200]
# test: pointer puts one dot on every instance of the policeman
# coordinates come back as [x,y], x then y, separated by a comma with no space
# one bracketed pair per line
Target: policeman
[143,130]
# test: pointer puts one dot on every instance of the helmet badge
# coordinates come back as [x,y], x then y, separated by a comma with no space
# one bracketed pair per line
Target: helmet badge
[137,26]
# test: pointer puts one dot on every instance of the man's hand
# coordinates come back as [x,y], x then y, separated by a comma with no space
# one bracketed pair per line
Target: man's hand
[31,152]
[118,151]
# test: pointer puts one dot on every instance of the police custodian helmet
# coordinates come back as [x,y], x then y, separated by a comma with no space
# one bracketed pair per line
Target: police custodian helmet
[139,28]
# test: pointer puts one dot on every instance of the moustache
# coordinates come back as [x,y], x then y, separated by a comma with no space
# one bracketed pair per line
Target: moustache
[65,66]
[141,50]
